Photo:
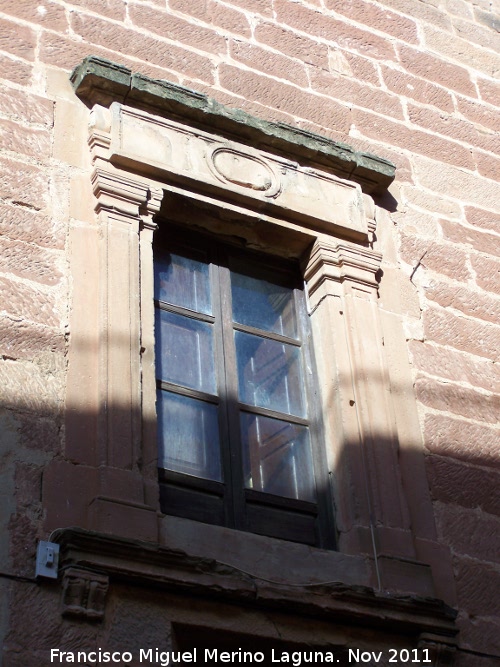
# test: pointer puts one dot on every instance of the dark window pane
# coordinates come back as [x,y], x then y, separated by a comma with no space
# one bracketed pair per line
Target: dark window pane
[183,281]
[277,457]
[261,304]
[269,374]
[184,351]
[188,436]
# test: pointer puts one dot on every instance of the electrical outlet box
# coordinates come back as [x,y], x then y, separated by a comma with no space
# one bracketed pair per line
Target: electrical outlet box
[47,560]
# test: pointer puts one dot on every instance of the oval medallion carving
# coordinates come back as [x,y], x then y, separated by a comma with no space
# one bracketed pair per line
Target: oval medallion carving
[247,171]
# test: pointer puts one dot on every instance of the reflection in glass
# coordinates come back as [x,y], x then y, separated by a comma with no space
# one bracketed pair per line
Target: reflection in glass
[184,351]
[188,436]
[269,374]
[277,457]
[183,281]
[261,304]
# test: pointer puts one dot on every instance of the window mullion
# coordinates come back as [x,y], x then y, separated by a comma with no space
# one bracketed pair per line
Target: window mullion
[231,396]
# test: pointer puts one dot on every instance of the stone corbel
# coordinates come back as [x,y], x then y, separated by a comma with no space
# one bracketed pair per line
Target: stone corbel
[84,594]
[441,650]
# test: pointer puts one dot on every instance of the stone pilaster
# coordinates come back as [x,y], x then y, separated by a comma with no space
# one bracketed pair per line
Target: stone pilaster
[105,424]
[361,433]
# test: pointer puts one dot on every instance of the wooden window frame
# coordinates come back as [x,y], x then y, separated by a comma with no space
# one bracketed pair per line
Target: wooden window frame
[228,502]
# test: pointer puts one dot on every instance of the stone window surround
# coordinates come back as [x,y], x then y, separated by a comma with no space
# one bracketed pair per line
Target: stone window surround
[386,532]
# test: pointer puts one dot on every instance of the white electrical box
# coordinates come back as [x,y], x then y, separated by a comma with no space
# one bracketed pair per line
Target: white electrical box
[47,560]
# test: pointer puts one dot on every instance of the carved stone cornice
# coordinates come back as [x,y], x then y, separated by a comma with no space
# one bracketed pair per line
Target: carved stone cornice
[341,262]
[99,81]
[150,564]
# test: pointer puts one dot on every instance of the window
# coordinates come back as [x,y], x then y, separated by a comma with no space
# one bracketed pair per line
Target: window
[237,430]
[161,154]
[265,651]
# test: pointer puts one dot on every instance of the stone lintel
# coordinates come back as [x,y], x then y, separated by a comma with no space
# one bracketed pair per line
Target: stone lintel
[149,564]
[176,153]
[99,81]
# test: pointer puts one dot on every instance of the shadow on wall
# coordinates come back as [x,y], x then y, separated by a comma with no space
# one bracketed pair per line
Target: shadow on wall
[32,438]
[42,489]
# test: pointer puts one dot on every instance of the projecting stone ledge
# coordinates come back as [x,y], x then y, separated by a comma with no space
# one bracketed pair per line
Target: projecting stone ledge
[149,564]
[99,81]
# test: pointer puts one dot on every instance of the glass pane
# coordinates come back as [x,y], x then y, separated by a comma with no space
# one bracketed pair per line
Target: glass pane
[261,304]
[183,281]
[277,457]
[269,374]
[184,351]
[188,436]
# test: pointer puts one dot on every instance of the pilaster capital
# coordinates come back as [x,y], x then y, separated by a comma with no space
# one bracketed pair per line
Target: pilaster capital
[116,193]
[341,262]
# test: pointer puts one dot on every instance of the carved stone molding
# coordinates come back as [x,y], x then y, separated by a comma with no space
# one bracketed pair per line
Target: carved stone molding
[151,207]
[117,194]
[372,514]
[441,650]
[172,152]
[341,262]
[84,594]
[150,137]
[114,191]
[147,564]
[100,81]
[248,171]
[121,500]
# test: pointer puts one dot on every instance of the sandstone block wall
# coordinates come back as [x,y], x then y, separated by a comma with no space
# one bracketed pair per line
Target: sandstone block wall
[415,81]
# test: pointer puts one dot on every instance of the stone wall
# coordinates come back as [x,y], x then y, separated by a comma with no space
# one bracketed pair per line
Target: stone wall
[412,81]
